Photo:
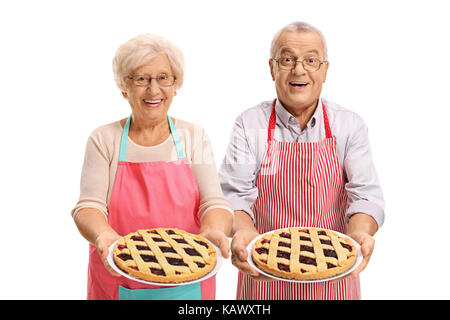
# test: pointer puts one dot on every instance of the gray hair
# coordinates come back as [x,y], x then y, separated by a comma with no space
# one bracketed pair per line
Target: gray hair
[139,50]
[297,26]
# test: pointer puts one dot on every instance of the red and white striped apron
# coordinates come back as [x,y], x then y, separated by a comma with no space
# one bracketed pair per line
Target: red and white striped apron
[299,185]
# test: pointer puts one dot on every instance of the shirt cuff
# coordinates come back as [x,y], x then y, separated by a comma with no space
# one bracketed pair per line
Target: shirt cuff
[366,207]
[91,203]
[241,205]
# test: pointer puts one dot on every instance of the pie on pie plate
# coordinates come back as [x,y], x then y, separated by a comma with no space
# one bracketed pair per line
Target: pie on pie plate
[304,253]
[164,255]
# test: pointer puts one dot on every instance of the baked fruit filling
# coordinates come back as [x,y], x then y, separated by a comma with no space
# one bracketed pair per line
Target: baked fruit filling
[304,253]
[164,255]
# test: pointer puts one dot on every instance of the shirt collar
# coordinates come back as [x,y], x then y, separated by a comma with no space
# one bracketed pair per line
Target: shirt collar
[285,117]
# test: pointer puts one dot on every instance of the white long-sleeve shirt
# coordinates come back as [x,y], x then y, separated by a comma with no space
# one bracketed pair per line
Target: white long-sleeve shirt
[240,168]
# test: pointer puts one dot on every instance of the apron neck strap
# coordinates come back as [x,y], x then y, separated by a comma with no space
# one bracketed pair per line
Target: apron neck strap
[124,140]
[176,139]
[326,122]
[272,122]
[173,131]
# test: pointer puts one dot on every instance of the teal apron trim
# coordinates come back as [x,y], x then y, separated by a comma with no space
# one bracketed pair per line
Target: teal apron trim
[124,140]
[185,292]
[173,131]
[176,140]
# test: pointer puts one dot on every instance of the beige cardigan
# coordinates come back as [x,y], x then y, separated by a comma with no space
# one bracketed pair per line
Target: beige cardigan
[102,154]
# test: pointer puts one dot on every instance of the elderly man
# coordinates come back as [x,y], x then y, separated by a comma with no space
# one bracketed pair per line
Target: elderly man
[300,161]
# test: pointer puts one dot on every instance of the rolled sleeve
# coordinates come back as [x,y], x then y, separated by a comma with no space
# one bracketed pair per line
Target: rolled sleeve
[370,208]
[362,186]
[94,177]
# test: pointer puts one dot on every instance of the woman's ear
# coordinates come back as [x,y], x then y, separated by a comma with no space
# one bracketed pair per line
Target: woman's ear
[125,95]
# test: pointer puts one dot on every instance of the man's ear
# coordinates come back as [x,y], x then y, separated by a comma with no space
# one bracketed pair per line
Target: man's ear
[326,70]
[271,69]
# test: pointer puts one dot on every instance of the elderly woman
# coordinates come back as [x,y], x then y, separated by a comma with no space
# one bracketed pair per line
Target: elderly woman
[148,170]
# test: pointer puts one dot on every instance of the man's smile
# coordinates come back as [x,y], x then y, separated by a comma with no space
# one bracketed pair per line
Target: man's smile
[298,85]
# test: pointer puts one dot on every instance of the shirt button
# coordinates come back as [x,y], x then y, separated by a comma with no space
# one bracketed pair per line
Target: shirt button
[313,122]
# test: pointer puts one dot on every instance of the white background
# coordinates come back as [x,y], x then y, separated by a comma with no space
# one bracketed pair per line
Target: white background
[389,62]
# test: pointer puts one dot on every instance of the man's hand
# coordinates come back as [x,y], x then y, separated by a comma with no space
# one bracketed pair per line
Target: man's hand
[361,228]
[239,253]
[367,243]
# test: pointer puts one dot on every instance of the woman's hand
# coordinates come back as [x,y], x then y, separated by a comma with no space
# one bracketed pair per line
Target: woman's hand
[219,239]
[94,227]
[216,225]
[239,253]
[102,244]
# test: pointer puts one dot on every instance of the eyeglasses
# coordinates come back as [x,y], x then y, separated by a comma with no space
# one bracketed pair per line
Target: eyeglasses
[289,63]
[163,80]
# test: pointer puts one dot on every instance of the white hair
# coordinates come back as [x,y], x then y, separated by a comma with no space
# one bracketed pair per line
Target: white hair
[139,50]
[301,27]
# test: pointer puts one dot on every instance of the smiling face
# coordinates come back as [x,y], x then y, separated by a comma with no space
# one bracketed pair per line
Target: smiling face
[150,103]
[298,89]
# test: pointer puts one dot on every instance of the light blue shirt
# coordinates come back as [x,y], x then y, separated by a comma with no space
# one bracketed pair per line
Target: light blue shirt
[240,168]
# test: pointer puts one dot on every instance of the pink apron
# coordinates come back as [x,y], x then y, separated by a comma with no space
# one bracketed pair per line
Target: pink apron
[300,185]
[149,195]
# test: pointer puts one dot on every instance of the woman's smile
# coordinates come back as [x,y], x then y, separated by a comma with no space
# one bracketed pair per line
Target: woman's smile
[153,103]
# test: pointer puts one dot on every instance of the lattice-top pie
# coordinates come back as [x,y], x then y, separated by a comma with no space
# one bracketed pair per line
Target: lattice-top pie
[304,253]
[165,255]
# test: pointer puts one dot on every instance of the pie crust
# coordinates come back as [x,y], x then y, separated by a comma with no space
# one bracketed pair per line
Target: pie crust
[304,253]
[164,255]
